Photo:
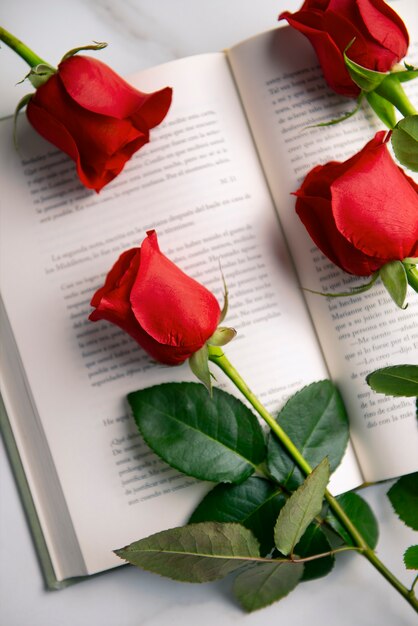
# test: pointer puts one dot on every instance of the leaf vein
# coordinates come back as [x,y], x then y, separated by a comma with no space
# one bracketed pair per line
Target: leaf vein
[202,433]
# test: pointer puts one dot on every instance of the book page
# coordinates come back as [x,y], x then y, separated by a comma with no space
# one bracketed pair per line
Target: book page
[283,91]
[199,184]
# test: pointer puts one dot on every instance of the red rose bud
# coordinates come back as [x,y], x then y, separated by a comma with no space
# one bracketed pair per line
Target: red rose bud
[168,313]
[381,38]
[361,213]
[94,116]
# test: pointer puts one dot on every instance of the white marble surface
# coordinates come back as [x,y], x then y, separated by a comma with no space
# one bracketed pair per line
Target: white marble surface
[142,33]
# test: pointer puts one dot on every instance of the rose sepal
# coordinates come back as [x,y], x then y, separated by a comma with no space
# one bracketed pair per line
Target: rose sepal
[97,45]
[20,105]
[224,311]
[199,361]
[199,364]
[39,74]
[344,116]
[405,142]
[369,80]
[353,292]
[394,278]
[385,85]
[405,73]
[222,336]
[363,77]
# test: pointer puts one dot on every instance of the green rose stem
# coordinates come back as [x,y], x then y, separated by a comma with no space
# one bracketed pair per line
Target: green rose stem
[217,356]
[391,89]
[412,276]
[20,48]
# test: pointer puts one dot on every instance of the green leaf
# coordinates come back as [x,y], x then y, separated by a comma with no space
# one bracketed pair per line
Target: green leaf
[410,557]
[403,496]
[394,278]
[383,109]
[301,509]
[395,380]
[211,438]
[360,514]
[315,542]
[316,421]
[405,142]
[366,79]
[196,553]
[254,503]
[262,584]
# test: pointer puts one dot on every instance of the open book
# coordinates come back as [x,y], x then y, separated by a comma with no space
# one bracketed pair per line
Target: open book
[215,182]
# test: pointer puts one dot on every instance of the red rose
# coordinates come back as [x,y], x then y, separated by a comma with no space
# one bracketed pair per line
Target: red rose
[168,313]
[381,38]
[94,116]
[363,212]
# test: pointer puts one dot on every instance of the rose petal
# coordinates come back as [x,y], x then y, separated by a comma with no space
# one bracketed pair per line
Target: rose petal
[364,50]
[112,300]
[113,305]
[311,24]
[375,205]
[119,275]
[99,145]
[385,26]
[171,307]
[316,215]
[380,37]
[318,181]
[51,129]
[97,88]
[155,107]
